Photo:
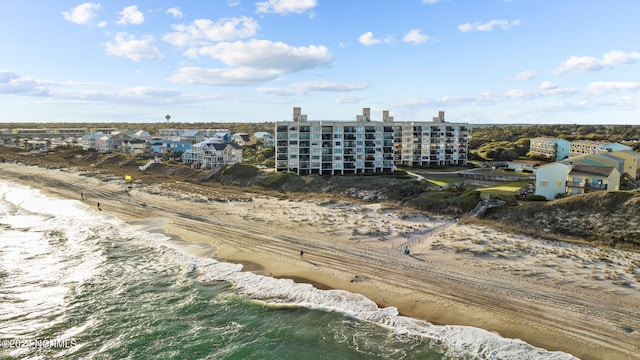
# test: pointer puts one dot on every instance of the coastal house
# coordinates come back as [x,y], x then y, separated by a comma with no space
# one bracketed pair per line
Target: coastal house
[265,137]
[630,162]
[112,142]
[579,175]
[142,135]
[583,179]
[241,139]
[162,146]
[207,154]
[221,136]
[551,179]
[88,141]
[192,136]
[136,147]
[522,165]
[551,148]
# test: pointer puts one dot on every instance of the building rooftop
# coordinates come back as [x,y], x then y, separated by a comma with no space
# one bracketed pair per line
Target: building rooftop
[589,170]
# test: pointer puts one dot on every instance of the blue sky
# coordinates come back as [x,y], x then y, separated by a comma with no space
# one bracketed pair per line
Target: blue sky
[481,61]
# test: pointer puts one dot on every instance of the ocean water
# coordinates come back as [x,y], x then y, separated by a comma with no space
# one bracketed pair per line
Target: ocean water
[76,283]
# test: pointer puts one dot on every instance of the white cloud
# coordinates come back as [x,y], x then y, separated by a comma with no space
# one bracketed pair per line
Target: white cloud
[415,36]
[488,26]
[285,6]
[524,76]
[612,59]
[252,62]
[223,77]
[265,54]
[606,87]
[73,92]
[131,15]
[204,31]
[128,46]
[175,12]
[82,14]
[367,39]
[314,86]
[548,85]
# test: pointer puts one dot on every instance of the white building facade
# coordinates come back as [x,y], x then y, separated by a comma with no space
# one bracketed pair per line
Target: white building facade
[365,146]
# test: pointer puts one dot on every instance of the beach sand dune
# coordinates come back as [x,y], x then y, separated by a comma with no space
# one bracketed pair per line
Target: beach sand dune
[567,297]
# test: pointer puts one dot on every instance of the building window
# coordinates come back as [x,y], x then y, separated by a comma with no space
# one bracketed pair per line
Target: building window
[544,183]
[558,184]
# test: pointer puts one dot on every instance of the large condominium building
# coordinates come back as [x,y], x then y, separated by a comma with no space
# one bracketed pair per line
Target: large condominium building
[431,143]
[364,146]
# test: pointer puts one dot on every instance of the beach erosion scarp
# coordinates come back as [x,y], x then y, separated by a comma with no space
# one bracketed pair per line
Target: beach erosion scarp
[562,297]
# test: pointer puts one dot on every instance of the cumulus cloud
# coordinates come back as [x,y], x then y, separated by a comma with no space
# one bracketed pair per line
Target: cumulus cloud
[314,86]
[367,39]
[611,59]
[430,1]
[524,76]
[252,62]
[203,31]
[415,36]
[548,85]
[131,15]
[488,26]
[82,14]
[129,46]
[606,87]
[175,12]
[265,54]
[285,6]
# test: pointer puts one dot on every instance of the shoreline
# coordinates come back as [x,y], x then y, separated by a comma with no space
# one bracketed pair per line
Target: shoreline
[556,296]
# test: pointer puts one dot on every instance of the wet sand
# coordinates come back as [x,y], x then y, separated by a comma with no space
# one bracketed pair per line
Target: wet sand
[573,298]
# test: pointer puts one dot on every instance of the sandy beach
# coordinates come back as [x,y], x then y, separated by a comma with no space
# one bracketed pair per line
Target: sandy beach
[567,297]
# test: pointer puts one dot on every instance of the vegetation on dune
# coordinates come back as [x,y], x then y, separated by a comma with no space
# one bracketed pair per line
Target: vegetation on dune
[601,218]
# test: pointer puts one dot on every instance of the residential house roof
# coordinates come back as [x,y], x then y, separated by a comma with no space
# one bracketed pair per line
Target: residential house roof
[588,170]
[190,133]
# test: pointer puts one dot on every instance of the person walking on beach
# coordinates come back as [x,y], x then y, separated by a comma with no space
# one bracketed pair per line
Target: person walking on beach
[99,207]
[82,195]
[301,253]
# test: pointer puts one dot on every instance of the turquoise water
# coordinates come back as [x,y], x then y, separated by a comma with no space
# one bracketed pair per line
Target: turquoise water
[79,284]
